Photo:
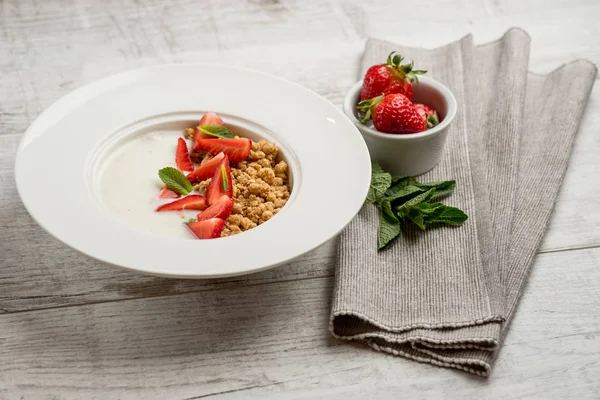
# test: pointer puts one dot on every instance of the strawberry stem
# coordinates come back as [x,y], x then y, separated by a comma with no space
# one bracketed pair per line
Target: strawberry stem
[432,120]
[365,107]
[404,71]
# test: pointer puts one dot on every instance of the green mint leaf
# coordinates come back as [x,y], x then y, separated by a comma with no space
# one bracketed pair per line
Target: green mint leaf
[217,131]
[442,188]
[386,208]
[398,183]
[175,180]
[429,210]
[446,215]
[402,200]
[380,182]
[416,217]
[406,191]
[224,178]
[189,221]
[396,179]
[389,226]
[403,210]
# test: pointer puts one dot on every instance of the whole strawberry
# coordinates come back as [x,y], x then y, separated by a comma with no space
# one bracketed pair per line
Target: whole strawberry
[428,113]
[424,110]
[391,77]
[392,113]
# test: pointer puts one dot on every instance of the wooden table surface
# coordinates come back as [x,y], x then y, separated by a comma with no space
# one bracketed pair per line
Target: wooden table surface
[80,329]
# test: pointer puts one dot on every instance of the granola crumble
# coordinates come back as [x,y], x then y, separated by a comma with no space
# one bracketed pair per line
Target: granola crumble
[260,188]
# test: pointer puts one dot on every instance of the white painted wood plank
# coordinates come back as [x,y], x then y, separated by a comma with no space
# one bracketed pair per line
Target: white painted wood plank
[49,49]
[172,347]
[263,340]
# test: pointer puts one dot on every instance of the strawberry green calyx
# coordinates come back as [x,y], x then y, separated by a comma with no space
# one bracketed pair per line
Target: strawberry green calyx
[432,120]
[404,71]
[364,108]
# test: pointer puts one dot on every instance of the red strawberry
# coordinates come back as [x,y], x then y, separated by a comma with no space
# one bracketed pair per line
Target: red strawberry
[208,229]
[391,77]
[191,202]
[377,78]
[428,114]
[210,118]
[167,193]
[393,113]
[205,170]
[221,183]
[235,149]
[423,110]
[220,209]
[184,163]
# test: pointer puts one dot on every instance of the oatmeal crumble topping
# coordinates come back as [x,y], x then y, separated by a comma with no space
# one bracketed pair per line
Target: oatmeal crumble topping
[260,187]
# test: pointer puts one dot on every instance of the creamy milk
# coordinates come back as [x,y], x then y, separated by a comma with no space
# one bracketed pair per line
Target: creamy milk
[129,184]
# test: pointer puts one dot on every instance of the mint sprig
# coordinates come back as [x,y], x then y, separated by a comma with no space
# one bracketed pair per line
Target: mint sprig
[175,180]
[380,182]
[389,224]
[216,130]
[405,200]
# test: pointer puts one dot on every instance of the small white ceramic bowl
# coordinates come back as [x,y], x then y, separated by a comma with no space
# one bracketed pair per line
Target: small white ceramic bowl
[408,154]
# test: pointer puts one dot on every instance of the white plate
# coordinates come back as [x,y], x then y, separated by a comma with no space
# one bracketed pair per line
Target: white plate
[62,156]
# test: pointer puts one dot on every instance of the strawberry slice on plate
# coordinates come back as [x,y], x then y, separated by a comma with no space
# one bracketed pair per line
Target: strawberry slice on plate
[210,118]
[235,149]
[221,183]
[206,170]
[221,209]
[167,193]
[184,163]
[191,202]
[207,229]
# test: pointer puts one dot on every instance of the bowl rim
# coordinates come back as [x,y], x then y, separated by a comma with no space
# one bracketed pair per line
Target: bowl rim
[440,87]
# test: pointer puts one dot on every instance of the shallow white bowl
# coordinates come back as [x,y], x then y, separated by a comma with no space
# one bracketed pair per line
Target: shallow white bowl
[61,156]
[408,154]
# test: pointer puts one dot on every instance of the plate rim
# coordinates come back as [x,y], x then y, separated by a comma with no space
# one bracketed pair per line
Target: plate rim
[88,92]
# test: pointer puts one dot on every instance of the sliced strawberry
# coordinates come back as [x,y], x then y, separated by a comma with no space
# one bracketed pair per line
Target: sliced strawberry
[220,209]
[221,183]
[184,163]
[210,118]
[206,170]
[191,202]
[208,229]
[167,193]
[235,149]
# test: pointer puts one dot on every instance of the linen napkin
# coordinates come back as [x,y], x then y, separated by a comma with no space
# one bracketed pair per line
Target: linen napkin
[445,296]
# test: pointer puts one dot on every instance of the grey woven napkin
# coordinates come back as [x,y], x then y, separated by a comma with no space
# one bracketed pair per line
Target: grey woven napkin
[445,296]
